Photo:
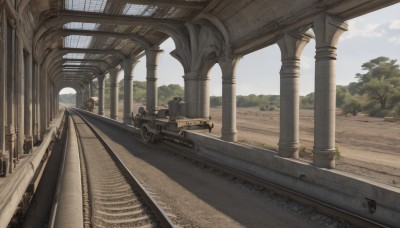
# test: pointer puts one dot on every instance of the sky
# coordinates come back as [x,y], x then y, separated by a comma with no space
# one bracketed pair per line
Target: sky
[369,36]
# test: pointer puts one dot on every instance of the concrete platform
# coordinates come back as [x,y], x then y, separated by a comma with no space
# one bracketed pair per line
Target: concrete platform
[13,187]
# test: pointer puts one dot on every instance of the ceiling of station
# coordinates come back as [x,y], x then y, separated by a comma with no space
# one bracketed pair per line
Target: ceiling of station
[96,33]
[74,38]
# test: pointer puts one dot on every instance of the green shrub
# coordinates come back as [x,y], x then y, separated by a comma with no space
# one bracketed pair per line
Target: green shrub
[263,108]
[337,151]
[351,106]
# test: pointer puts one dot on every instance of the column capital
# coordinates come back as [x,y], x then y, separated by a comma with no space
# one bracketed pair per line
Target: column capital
[327,30]
[152,55]
[228,67]
[100,78]
[129,63]
[292,44]
[113,75]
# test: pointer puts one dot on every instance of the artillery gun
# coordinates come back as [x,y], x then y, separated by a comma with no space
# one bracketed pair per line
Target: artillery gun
[91,103]
[168,123]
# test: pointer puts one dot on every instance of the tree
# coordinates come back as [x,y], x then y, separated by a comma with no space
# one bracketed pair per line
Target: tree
[380,84]
[68,98]
[352,106]
[215,101]
[380,90]
[342,93]
[168,92]
[139,91]
[307,102]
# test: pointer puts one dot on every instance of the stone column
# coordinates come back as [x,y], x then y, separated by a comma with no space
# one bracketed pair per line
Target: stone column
[51,101]
[77,99]
[129,66]
[92,94]
[28,104]
[36,103]
[100,79]
[114,94]
[43,100]
[10,133]
[203,97]
[228,67]
[3,88]
[55,95]
[327,31]
[190,90]
[89,90]
[81,98]
[57,103]
[152,55]
[20,93]
[48,102]
[197,95]
[291,46]
[87,94]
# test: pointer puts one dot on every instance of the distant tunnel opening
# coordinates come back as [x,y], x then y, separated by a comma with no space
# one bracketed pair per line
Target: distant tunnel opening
[67,97]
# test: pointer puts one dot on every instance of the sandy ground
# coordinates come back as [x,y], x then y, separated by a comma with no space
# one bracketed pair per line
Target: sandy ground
[369,147]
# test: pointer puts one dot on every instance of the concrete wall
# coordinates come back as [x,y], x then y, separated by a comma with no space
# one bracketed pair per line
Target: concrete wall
[338,188]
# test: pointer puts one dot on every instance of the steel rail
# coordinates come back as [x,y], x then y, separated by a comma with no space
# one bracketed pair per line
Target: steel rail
[158,212]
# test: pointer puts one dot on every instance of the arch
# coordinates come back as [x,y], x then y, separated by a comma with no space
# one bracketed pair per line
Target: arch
[58,90]
[182,45]
[207,46]
[58,18]
[22,5]
[218,24]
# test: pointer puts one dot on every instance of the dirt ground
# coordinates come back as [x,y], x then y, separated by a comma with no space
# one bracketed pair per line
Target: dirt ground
[369,147]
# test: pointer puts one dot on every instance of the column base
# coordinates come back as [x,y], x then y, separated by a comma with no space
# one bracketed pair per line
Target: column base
[114,117]
[288,150]
[324,158]
[28,144]
[229,136]
[4,163]
[101,113]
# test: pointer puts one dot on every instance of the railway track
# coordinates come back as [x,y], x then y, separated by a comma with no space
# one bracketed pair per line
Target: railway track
[318,205]
[112,197]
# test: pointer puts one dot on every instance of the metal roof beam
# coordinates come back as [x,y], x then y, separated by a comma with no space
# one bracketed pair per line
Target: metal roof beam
[196,5]
[58,18]
[56,34]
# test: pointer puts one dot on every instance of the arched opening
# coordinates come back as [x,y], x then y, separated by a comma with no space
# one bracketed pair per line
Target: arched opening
[215,75]
[306,112]
[170,72]
[258,98]
[169,82]
[368,138]
[67,97]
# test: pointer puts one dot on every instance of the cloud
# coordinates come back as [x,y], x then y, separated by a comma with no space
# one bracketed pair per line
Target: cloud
[395,25]
[366,30]
[395,40]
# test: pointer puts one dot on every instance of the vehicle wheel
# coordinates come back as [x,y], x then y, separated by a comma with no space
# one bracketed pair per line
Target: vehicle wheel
[147,136]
